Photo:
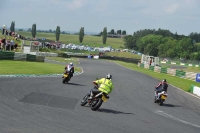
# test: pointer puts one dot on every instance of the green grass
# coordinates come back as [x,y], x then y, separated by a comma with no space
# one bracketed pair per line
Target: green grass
[192,69]
[23,67]
[184,84]
[124,54]
[88,40]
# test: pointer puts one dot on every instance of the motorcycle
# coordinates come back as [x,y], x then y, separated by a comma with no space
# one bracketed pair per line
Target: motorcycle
[65,78]
[161,99]
[96,101]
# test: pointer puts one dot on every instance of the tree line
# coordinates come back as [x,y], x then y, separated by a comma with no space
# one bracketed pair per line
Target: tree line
[81,33]
[57,32]
[163,43]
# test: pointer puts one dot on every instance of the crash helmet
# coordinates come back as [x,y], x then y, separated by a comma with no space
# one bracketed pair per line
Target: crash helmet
[108,76]
[71,64]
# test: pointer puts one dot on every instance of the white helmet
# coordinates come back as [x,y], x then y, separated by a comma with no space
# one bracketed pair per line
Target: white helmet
[71,64]
[109,76]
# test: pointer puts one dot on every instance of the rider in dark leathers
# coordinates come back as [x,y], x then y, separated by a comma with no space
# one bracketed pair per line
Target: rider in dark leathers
[162,86]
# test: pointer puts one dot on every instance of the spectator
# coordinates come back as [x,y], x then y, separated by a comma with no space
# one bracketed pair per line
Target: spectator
[3,44]
[150,62]
[8,44]
[12,44]
[15,46]
[10,33]
[3,31]
[6,32]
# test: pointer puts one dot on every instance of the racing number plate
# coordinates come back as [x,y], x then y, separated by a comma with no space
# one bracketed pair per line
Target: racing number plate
[104,98]
[163,97]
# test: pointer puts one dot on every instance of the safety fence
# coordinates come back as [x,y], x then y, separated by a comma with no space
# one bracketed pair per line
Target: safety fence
[20,56]
[173,72]
[181,64]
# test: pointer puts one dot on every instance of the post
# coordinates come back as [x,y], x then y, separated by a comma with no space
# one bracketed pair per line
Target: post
[4,26]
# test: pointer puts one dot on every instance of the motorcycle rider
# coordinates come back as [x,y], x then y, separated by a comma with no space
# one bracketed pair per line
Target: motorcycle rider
[162,86]
[69,69]
[104,85]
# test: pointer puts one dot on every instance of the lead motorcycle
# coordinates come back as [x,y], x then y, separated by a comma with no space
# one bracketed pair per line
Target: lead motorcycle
[161,99]
[96,101]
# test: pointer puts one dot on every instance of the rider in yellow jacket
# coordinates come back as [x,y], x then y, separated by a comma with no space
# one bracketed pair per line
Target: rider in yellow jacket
[103,85]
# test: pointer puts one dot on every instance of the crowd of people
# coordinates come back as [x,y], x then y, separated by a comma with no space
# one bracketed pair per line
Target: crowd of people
[7,43]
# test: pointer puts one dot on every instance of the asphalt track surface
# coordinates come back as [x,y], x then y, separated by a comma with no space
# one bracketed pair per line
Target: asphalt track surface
[45,105]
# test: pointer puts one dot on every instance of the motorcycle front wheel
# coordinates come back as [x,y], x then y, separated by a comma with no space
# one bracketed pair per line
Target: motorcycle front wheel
[84,101]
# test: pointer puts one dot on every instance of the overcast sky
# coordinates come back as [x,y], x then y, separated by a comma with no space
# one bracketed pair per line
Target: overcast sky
[182,16]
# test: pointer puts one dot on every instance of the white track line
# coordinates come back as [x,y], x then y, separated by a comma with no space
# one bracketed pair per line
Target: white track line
[176,119]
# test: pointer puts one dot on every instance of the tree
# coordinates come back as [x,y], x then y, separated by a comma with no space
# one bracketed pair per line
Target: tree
[50,31]
[81,34]
[104,35]
[12,27]
[130,42]
[119,32]
[33,31]
[29,29]
[57,33]
[123,32]
[112,31]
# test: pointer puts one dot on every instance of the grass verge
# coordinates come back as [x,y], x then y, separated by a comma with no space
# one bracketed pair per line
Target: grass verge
[22,67]
[181,83]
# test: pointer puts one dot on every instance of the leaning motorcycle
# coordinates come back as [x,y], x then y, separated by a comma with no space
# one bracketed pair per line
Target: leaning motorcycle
[161,99]
[65,78]
[96,101]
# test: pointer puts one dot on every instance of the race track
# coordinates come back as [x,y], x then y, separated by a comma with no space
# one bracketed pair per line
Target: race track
[45,105]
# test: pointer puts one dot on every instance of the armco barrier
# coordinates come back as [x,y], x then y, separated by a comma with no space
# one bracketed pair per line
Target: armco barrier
[163,70]
[190,75]
[173,72]
[157,69]
[6,55]
[63,55]
[180,73]
[142,65]
[151,68]
[146,66]
[20,56]
[30,57]
[182,64]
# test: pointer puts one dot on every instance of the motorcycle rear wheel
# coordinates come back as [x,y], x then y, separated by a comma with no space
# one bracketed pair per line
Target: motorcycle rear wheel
[65,80]
[95,106]
[161,102]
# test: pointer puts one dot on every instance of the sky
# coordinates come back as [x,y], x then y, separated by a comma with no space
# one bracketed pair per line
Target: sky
[181,16]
